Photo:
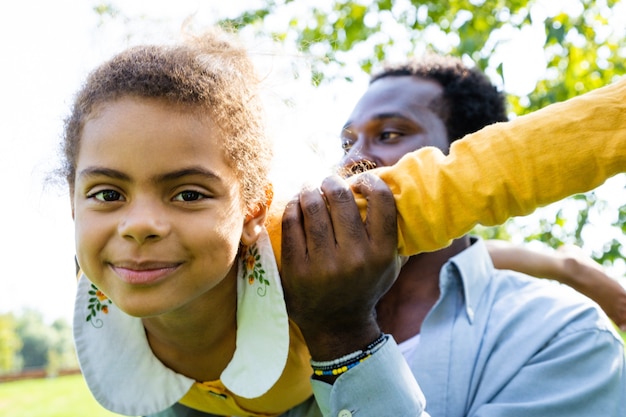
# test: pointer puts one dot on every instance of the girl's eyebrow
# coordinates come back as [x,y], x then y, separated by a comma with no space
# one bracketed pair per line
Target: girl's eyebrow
[168,176]
[186,172]
[102,172]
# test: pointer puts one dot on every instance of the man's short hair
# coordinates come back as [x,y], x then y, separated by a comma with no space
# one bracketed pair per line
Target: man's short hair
[469,101]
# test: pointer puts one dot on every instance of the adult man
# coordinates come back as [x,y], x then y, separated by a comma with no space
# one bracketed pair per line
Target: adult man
[477,341]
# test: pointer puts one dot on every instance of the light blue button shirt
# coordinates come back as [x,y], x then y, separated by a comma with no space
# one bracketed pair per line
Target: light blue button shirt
[496,344]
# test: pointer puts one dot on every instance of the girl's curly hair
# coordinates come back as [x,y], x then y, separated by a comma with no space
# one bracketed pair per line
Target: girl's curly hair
[208,75]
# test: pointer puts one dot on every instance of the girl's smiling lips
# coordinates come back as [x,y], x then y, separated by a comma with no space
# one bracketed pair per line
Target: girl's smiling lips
[143,273]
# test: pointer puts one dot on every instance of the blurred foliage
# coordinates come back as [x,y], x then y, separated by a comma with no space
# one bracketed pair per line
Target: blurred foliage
[582,46]
[27,342]
[10,343]
[36,338]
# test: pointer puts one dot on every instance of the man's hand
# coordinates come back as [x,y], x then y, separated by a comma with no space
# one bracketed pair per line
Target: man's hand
[335,266]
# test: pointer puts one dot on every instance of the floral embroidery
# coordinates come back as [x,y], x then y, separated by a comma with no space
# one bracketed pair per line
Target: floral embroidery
[98,302]
[254,269]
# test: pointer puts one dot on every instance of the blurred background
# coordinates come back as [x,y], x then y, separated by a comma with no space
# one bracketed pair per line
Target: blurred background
[315,57]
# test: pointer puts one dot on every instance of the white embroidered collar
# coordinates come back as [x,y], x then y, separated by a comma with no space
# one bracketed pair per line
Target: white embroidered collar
[124,375]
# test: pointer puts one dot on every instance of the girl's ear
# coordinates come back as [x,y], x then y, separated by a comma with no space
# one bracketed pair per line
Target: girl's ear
[253,224]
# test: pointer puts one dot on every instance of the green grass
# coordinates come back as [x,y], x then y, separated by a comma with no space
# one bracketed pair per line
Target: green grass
[64,396]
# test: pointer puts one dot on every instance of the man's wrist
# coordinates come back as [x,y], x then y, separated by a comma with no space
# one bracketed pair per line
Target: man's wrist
[333,355]
[345,363]
[329,344]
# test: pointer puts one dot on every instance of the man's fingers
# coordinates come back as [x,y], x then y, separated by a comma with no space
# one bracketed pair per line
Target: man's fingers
[320,222]
[293,242]
[317,225]
[381,217]
[347,224]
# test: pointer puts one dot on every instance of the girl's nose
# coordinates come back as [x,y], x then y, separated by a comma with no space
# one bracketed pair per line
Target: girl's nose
[143,222]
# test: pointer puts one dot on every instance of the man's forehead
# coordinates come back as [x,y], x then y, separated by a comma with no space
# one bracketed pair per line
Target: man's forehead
[394,96]
[405,86]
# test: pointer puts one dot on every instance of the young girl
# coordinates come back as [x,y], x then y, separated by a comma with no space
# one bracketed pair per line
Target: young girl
[179,298]
[167,164]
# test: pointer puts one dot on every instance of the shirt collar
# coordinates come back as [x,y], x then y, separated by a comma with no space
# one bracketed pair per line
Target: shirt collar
[124,375]
[471,269]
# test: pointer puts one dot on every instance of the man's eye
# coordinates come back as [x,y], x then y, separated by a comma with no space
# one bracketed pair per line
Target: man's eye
[389,135]
[189,196]
[106,195]
[346,145]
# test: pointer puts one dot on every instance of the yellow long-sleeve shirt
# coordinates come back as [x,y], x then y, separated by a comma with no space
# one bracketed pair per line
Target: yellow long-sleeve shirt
[504,170]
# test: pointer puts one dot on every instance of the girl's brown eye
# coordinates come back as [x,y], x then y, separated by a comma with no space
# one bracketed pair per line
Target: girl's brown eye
[106,195]
[189,195]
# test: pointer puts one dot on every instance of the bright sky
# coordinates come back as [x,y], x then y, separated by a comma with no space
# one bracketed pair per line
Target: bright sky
[47,49]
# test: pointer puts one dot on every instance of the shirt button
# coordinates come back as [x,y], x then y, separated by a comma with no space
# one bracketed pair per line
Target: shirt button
[345,413]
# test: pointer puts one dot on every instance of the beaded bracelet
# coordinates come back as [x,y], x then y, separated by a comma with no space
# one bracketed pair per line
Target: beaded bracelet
[349,361]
